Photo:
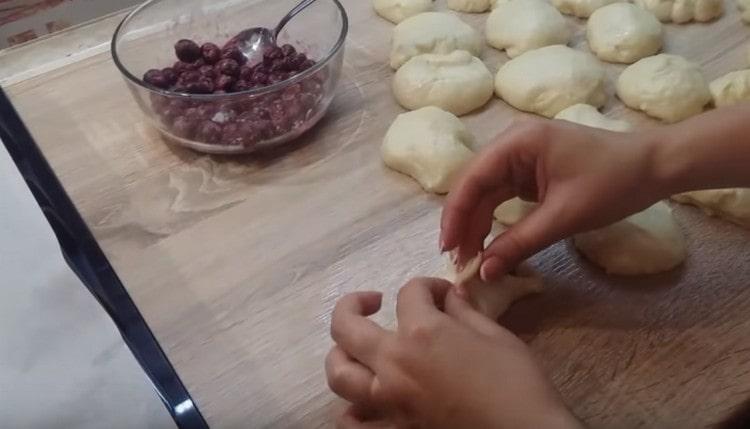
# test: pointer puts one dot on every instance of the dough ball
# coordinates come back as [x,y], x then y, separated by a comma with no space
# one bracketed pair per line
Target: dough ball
[732,88]
[522,25]
[623,33]
[398,10]
[730,204]
[580,8]
[589,116]
[430,145]
[664,86]
[493,299]
[547,80]
[471,6]
[432,33]
[456,82]
[744,7]
[648,242]
[512,211]
[683,11]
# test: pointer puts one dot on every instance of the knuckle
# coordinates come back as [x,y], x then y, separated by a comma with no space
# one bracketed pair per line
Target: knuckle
[336,331]
[422,333]
[337,379]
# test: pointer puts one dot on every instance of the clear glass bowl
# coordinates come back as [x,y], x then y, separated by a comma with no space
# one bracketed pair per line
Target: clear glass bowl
[238,122]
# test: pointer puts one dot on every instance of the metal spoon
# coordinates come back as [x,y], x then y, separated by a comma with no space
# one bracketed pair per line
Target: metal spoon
[254,42]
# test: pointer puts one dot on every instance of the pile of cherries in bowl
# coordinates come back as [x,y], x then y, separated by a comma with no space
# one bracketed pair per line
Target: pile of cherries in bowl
[213,96]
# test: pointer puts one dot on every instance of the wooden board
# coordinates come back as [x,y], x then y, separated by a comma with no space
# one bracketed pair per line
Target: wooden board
[236,263]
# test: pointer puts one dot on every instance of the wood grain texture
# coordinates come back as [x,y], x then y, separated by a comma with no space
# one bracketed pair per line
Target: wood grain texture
[236,263]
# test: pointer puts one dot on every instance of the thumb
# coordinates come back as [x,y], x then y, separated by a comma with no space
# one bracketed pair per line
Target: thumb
[541,228]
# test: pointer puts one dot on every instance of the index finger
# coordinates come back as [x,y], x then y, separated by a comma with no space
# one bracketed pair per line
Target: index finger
[485,175]
[357,335]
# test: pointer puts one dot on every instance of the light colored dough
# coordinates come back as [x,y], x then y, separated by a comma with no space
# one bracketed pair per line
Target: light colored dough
[589,116]
[744,7]
[580,8]
[432,33]
[398,10]
[493,299]
[732,88]
[550,79]
[520,26]
[648,242]
[731,204]
[683,11]
[623,33]
[456,82]
[470,6]
[430,145]
[664,86]
[512,211]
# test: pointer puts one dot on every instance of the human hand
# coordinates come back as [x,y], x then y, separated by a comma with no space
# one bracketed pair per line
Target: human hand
[583,178]
[451,368]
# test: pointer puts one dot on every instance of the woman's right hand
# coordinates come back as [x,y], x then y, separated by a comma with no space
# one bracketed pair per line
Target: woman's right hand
[583,178]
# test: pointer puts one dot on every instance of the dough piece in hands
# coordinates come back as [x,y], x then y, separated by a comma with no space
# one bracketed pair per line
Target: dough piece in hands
[430,145]
[470,6]
[457,82]
[522,25]
[623,33]
[683,11]
[589,116]
[664,86]
[550,79]
[398,10]
[731,204]
[494,298]
[512,211]
[744,7]
[432,33]
[732,88]
[648,242]
[580,8]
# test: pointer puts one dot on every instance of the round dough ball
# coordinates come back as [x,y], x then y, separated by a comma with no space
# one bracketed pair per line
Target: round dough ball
[471,6]
[457,82]
[522,25]
[623,33]
[683,11]
[648,242]
[580,8]
[550,79]
[667,87]
[432,33]
[732,88]
[731,204]
[398,10]
[589,116]
[430,145]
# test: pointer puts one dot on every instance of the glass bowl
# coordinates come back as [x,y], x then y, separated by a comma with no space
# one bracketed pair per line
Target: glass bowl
[248,116]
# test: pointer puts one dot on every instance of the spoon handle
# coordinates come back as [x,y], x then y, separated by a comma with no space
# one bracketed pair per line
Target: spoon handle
[292,13]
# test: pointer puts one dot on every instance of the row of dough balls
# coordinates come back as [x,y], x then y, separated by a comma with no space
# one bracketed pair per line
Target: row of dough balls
[677,11]
[436,57]
[619,32]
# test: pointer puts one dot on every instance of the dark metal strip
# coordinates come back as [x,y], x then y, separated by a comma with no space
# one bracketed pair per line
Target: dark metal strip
[86,259]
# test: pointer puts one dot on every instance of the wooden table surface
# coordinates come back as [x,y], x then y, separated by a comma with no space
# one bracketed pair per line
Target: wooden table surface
[236,263]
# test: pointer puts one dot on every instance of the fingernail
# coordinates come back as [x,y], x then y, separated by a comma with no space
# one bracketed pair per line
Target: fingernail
[490,268]
[442,245]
